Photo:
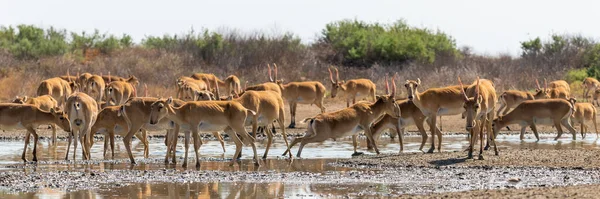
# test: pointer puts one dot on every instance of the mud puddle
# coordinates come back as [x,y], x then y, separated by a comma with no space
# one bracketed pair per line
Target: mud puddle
[315,175]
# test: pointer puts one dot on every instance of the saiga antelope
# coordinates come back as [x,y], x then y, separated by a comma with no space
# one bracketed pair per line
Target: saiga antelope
[110,121]
[29,117]
[310,92]
[348,121]
[269,107]
[207,116]
[231,85]
[512,98]
[45,103]
[267,86]
[584,112]
[182,81]
[590,84]
[82,111]
[352,89]
[434,102]
[118,92]
[558,89]
[409,115]
[479,103]
[83,80]
[545,111]
[95,87]
[58,88]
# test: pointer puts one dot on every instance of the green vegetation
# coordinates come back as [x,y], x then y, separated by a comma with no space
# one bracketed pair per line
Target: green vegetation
[362,43]
[30,42]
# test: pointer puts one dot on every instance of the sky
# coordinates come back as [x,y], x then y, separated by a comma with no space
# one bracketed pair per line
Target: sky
[489,27]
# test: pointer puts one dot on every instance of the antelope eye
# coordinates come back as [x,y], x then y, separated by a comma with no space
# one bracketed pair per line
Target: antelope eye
[416,85]
[62,118]
[476,107]
[406,85]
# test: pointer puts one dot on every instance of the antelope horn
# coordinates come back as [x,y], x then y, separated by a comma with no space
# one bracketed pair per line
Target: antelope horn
[109,80]
[538,84]
[477,88]
[337,75]
[275,71]
[245,85]
[145,90]
[217,94]
[545,84]
[68,76]
[387,86]
[462,90]
[394,86]
[270,76]
[331,76]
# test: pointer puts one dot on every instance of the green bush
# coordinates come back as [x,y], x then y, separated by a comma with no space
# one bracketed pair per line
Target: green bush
[592,61]
[576,75]
[362,43]
[28,42]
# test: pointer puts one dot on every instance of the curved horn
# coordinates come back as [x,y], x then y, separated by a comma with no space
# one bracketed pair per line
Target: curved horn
[337,75]
[217,94]
[68,76]
[110,80]
[270,76]
[393,86]
[463,90]
[145,90]
[477,88]
[387,86]
[275,71]
[538,84]
[331,76]
[545,84]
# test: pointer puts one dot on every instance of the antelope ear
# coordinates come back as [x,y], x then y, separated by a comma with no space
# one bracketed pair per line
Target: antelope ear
[419,81]
[170,100]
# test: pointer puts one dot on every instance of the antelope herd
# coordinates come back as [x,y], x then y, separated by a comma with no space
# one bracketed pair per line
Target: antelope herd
[109,105]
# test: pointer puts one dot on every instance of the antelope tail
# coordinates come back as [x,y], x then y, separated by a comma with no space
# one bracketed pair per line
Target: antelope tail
[308,119]
[123,113]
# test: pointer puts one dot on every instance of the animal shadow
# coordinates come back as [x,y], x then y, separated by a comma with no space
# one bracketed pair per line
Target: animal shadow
[449,161]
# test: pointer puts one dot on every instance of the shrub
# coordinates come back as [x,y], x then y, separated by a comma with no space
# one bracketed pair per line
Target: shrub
[576,75]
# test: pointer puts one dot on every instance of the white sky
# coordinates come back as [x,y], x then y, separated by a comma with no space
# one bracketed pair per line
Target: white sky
[490,27]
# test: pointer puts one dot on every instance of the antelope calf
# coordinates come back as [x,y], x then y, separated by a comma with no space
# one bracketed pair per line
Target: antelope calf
[269,107]
[45,103]
[110,121]
[545,111]
[58,88]
[310,92]
[434,102]
[410,115]
[231,84]
[590,84]
[584,112]
[352,89]
[480,101]
[118,92]
[348,122]
[29,117]
[82,110]
[207,116]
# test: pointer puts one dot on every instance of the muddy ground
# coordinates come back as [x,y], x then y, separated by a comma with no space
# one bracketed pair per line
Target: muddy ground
[524,169]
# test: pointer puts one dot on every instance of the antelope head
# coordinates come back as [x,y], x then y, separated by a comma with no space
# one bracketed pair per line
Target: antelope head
[391,107]
[20,100]
[541,93]
[411,88]
[472,105]
[160,109]
[336,86]
[61,119]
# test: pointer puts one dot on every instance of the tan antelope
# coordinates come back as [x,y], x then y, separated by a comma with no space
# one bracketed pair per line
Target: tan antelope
[410,115]
[558,90]
[29,117]
[58,88]
[269,107]
[110,121]
[480,102]
[434,102]
[545,111]
[45,103]
[584,112]
[132,80]
[352,89]
[118,92]
[82,111]
[83,80]
[348,122]
[231,84]
[267,86]
[136,113]
[512,98]
[310,92]
[95,87]
[191,83]
[207,116]
[590,84]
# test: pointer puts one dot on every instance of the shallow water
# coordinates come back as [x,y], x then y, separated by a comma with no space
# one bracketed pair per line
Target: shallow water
[316,158]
